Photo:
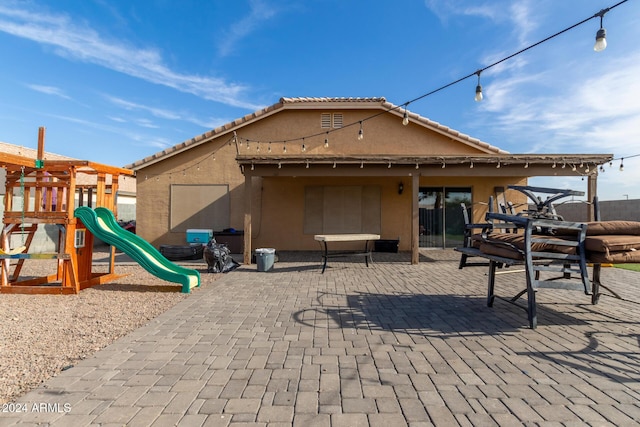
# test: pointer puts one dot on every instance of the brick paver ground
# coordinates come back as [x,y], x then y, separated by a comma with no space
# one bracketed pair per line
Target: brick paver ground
[390,345]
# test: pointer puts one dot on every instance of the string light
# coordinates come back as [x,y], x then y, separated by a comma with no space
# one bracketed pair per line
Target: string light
[307,164]
[526,165]
[326,141]
[498,165]
[417,166]
[587,169]
[622,164]
[471,165]
[477,73]
[444,165]
[601,35]
[269,147]
[361,164]
[252,167]
[389,164]
[279,165]
[553,165]
[304,147]
[478,96]
[405,118]
[284,147]
[573,168]
[334,165]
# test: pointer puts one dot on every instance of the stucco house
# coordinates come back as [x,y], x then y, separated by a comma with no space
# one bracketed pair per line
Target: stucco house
[307,166]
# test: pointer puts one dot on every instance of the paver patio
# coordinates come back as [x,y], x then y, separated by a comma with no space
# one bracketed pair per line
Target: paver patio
[390,345]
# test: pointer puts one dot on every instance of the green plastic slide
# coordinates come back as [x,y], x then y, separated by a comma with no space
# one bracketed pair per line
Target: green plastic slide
[103,225]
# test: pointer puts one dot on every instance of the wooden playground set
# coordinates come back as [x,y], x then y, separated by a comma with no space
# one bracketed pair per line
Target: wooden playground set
[43,192]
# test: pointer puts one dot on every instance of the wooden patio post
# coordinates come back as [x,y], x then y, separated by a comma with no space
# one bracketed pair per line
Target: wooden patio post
[248,189]
[592,191]
[415,223]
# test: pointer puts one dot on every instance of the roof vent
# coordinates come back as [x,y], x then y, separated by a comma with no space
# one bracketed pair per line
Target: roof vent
[328,120]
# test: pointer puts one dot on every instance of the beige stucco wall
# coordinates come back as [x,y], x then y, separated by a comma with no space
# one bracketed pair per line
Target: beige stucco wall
[278,201]
[212,163]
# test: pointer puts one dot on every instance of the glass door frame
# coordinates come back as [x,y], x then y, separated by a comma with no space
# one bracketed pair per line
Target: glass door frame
[438,220]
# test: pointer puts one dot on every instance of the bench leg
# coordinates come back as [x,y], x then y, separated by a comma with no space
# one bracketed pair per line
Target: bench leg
[367,255]
[324,257]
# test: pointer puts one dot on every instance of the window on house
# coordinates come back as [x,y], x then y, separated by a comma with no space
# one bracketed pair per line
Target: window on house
[342,209]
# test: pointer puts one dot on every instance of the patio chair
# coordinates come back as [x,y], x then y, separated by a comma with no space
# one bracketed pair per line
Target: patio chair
[470,230]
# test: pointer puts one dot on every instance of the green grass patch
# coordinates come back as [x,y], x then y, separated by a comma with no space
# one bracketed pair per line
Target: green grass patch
[632,267]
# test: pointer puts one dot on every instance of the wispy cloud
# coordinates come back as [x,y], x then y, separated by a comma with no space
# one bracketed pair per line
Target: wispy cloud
[599,113]
[259,12]
[164,114]
[49,90]
[81,43]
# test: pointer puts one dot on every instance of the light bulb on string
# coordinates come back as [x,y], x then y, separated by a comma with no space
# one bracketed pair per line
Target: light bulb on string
[284,147]
[269,147]
[601,35]
[389,165]
[573,168]
[622,164]
[471,165]
[326,141]
[526,165]
[304,147]
[498,165]
[360,132]
[417,166]
[478,96]
[405,117]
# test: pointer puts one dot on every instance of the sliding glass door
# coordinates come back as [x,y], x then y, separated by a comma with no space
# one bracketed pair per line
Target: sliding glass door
[441,221]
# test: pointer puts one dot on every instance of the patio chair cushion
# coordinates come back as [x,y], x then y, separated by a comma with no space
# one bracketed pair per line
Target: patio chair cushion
[612,243]
[622,257]
[600,228]
[512,245]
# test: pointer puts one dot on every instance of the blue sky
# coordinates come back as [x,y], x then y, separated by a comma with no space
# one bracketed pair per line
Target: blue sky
[115,81]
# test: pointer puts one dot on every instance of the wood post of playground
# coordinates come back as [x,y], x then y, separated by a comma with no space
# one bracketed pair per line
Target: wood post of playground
[47,191]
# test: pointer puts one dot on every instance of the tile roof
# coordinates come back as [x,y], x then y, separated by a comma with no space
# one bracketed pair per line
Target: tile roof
[368,102]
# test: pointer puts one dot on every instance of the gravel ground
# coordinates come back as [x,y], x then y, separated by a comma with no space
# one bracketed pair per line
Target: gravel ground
[41,335]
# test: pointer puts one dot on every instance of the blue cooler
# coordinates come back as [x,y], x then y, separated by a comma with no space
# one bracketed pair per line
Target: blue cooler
[199,235]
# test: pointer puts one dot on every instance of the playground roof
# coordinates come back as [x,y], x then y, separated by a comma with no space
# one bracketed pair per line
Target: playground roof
[14,158]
